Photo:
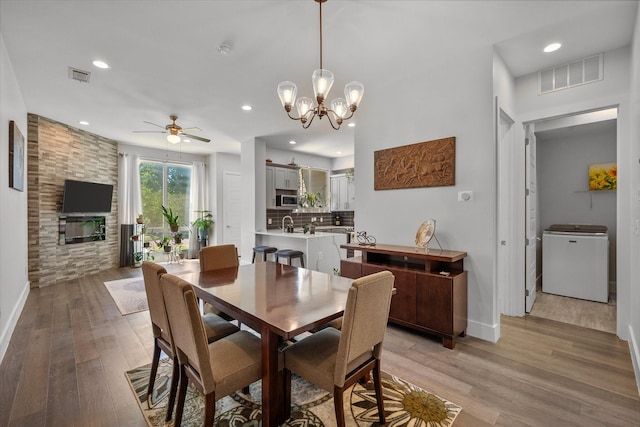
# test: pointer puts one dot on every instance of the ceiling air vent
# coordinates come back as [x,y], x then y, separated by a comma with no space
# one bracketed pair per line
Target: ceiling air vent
[575,73]
[79,75]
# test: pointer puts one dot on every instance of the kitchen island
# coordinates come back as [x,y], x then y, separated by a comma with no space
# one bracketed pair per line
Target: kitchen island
[321,250]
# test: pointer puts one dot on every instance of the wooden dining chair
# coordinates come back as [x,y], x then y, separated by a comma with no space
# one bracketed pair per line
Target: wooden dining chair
[334,360]
[215,369]
[215,258]
[215,328]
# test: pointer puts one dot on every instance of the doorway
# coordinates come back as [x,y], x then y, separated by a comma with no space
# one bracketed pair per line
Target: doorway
[566,147]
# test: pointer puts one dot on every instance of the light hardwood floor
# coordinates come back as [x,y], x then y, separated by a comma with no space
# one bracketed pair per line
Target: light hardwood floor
[66,361]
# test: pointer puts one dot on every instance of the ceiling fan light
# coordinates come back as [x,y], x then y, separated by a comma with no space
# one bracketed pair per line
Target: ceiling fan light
[353,92]
[304,105]
[287,92]
[322,81]
[174,139]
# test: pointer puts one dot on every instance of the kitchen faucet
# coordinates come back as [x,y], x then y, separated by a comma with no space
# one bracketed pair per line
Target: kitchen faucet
[290,221]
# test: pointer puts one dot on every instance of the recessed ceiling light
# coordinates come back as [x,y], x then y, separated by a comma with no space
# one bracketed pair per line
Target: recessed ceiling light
[338,152]
[100,64]
[83,123]
[552,47]
[246,107]
[351,125]
[292,142]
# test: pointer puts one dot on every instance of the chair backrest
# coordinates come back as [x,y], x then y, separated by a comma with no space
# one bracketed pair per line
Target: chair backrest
[184,315]
[216,257]
[151,273]
[364,322]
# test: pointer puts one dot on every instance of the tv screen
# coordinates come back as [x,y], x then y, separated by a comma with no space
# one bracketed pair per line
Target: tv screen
[85,197]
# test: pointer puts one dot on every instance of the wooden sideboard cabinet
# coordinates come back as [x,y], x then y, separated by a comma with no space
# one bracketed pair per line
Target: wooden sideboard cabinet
[431,286]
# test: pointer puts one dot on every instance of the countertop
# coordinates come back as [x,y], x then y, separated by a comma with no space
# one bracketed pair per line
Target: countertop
[298,234]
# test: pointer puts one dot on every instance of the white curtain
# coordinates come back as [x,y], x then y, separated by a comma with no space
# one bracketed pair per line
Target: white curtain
[199,202]
[129,203]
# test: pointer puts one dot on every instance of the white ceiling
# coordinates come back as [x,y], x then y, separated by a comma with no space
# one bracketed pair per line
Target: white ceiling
[164,57]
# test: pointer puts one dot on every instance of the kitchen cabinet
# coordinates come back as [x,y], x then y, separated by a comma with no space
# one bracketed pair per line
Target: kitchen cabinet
[271,188]
[285,178]
[431,286]
[342,193]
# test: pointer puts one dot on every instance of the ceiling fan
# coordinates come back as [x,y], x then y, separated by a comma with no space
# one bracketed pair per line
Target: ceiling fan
[174,131]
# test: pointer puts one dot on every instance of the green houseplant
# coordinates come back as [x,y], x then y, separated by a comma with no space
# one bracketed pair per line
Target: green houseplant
[203,224]
[172,220]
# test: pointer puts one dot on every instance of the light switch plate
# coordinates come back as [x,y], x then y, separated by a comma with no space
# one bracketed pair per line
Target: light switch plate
[465,196]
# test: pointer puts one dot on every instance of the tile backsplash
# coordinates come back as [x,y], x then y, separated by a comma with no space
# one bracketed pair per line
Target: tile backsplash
[299,219]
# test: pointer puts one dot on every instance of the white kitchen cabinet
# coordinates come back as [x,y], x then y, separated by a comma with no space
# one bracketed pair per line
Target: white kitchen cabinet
[286,179]
[271,189]
[342,193]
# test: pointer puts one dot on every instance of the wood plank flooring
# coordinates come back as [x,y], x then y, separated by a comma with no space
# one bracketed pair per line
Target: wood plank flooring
[590,314]
[66,361]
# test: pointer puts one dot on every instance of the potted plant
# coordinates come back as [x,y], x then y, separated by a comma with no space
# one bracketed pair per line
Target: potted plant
[172,220]
[140,219]
[203,224]
[137,258]
[177,237]
[165,243]
[135,237]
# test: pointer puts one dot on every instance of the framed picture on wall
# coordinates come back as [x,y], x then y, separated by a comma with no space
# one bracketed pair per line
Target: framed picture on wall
[603,176]
[16,157]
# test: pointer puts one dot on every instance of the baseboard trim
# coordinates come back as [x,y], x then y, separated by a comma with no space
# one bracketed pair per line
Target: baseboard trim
[483,331]
[13,321]
[635,356]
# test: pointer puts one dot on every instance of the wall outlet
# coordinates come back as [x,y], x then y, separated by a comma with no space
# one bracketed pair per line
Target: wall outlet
[465,196]
[321,219]
[269,221]
[313,219]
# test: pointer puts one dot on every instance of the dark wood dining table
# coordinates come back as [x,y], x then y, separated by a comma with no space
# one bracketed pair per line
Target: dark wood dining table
[278,301]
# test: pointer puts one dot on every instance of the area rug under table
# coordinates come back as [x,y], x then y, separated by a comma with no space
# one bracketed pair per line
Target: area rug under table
[404,403]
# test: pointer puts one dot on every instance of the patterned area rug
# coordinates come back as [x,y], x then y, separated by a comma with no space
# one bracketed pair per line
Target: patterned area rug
[405,404]
[129,294]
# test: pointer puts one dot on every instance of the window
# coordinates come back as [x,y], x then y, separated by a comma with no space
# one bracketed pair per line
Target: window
[169,185]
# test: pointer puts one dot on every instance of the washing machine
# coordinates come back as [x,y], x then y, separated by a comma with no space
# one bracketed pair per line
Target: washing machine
[575,261]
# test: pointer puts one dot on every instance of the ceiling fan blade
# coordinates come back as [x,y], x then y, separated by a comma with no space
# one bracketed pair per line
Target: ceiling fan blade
[149,131]
[191,129]
[144,121]
[199,138]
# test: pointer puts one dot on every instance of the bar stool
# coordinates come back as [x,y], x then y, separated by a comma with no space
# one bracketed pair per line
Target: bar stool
[264,250]
[289,255]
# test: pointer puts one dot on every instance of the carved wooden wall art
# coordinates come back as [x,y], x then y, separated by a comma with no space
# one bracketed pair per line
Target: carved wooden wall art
[425,164]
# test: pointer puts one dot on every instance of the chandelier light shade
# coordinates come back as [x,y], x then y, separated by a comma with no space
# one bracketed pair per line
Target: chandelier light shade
[339,109]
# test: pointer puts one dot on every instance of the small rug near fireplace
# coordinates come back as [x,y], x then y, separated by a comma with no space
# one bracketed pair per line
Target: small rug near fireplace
[405,404]
[129,294]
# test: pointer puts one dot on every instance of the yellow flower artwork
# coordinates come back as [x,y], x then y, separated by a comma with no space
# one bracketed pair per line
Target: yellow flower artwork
[603,176]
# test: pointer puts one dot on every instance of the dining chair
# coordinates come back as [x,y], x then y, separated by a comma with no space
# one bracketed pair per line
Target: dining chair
[216,369]
[215,328]
[215,258]
[334,360]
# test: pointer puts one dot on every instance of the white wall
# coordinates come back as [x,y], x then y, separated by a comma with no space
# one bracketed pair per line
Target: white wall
[340,163]
[450,99]
[634,208]
[14,285]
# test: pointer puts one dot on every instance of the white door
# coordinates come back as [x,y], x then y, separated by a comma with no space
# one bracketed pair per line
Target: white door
[531,212]
[504,239]
[231,192]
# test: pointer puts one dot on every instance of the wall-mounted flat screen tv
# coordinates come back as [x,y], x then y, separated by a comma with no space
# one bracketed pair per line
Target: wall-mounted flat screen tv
[86,197]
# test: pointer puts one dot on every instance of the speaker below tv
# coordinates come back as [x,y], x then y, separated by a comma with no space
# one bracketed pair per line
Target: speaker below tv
[86,197]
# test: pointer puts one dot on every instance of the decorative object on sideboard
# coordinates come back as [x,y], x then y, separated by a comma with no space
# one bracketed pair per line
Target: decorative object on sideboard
[339,110]
[365,239]
[425,164]
[16,157]
[425,233]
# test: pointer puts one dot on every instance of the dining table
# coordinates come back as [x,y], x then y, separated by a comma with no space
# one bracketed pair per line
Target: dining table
[279,302]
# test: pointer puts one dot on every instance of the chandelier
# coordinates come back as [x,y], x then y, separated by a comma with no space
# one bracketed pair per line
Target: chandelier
[341,109]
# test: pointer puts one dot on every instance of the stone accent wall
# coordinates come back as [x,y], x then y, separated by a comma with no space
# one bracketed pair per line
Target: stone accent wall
[57,152]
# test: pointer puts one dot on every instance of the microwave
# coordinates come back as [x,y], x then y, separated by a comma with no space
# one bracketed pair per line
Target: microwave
[286,200]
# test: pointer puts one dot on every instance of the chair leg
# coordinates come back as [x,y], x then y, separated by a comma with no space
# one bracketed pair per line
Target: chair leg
[154,370]
[175,379]
[286,393]
[209,409]
[182,394]
[302,262]
[377,383]
[338,404]
[245,390]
